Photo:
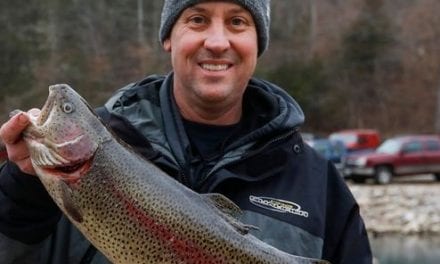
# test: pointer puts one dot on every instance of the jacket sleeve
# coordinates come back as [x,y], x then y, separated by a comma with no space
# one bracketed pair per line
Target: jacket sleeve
[346,240]
[13,251]
[27,215]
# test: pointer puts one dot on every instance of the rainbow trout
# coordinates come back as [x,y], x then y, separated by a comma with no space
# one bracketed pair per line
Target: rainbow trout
[124,205]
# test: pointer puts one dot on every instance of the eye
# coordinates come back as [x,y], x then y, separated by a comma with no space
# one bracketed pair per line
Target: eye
[67,108]
[197,19]
[237,21]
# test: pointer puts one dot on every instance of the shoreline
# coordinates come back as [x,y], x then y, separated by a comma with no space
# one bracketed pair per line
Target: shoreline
[399,208]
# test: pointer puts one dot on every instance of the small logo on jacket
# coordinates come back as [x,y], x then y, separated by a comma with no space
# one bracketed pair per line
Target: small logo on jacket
[278,205]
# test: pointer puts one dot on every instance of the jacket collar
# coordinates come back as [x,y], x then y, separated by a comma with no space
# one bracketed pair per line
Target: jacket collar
[269,111]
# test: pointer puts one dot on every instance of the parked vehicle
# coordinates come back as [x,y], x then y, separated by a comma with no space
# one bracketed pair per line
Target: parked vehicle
[404,155]
[333,150]
[308,137]
[356,140]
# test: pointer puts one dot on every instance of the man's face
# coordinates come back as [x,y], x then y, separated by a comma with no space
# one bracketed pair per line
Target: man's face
[214,52]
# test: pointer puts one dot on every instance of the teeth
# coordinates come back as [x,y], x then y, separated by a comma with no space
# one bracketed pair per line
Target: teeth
[215,67]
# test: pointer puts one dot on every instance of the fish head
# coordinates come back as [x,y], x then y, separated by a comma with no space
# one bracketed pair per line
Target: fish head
[64,137]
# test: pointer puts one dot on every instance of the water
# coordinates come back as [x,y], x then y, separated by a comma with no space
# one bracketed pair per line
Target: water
[399,249]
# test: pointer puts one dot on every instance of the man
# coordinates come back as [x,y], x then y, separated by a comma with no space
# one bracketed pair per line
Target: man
[214,128]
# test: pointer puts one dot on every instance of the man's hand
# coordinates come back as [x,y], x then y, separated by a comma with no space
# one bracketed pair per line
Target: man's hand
[10,134]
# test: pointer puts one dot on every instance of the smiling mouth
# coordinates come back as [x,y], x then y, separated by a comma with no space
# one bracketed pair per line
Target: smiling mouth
[214,67]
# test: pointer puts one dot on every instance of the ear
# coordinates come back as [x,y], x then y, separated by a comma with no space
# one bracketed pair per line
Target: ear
[167,45]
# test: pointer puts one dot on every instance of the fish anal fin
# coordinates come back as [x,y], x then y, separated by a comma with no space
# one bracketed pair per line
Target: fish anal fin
[68,203]
[228,210]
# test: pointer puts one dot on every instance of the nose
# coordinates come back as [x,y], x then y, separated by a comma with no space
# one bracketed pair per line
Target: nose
[217,39]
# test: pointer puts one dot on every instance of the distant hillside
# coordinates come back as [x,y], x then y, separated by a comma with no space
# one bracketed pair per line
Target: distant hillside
[351,63]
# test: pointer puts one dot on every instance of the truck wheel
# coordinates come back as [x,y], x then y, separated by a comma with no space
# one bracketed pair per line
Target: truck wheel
[358,179]
[383,175]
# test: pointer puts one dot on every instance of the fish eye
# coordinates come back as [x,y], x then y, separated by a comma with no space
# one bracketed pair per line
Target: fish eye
[67,108]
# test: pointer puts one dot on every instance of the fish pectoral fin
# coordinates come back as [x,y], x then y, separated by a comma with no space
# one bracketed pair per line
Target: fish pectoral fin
[228,210]
[68,203]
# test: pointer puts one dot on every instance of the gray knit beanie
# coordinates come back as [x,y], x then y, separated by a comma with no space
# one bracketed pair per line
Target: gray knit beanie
[260,10]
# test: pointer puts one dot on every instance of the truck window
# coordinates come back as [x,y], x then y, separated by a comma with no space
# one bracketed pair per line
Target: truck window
[432,145]
[412,147]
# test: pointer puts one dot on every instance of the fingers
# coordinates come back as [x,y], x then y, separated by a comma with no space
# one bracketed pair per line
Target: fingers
[17,151]
[10,134]
[25,166]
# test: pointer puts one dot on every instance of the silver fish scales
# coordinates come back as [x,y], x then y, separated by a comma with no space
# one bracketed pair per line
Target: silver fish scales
[128,208]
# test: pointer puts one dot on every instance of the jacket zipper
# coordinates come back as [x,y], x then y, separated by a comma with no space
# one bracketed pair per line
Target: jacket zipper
[272,141]
[252,153]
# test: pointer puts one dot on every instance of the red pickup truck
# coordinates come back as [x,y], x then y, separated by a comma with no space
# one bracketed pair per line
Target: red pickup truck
[404,155]
[357,140]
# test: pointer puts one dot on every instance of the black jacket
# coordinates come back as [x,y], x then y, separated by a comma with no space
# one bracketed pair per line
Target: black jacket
[298,201]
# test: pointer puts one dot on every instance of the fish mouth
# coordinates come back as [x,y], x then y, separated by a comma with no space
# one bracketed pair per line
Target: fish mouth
[70,172]
[46,109]
[55,91]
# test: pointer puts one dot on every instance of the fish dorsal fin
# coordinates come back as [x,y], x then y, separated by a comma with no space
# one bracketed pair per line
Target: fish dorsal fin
[223,204]
[228,210]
